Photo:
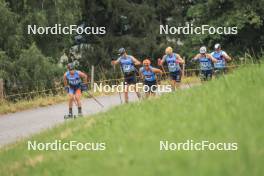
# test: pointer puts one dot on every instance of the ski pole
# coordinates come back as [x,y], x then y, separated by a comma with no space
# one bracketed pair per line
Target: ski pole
[159,63]
[95,99]
[183,74]
[75,101]
[116,83]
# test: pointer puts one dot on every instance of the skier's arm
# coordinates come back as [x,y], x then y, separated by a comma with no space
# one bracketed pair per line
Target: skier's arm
[65,80]
[226,56]
[136,62]
[156,71]
[162,60]
[212,58]
[196,57]
[179,59]
[83,76]
[115,62]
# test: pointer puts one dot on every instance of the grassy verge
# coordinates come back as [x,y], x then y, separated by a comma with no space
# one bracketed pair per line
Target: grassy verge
[10,107]
[229,109]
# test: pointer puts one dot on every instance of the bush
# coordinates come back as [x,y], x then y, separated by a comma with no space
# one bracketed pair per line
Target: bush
[32,71]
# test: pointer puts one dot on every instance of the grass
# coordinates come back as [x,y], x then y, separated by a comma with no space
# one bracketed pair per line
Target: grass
[11,107]
[39,101]
[229,109]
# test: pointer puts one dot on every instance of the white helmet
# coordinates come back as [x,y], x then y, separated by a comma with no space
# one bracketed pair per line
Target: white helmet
[203,50]
[217,46]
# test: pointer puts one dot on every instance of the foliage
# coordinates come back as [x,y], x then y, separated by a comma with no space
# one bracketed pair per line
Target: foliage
[133,24]
[31,71]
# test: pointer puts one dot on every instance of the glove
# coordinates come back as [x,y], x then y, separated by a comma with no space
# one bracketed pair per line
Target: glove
[192,60]
[84,87]
[66,88]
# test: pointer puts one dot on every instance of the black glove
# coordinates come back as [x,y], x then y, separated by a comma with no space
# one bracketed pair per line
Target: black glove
[66,88]
[193,60]
[84,87]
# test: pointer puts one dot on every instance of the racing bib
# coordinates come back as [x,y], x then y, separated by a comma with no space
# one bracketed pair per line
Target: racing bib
[74,82]
[220,63]
[127,68]
[172,64]
[205,65]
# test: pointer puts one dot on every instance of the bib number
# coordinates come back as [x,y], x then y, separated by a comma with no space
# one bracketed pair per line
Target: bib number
[172,64]
[220,64]
[127,68]
[172,67]
[205,65]
[74,82]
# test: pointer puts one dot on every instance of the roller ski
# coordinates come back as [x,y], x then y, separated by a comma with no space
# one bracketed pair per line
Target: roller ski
[69,116]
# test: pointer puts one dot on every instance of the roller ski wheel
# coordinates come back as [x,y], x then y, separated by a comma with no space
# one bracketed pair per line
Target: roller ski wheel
[69,116]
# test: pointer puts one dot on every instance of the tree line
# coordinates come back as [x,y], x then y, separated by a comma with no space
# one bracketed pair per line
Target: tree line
[30,62]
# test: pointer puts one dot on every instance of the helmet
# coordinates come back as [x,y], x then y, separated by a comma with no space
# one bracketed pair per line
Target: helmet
[121,51]
[168,50]
[217,46]
[203,50]
[70,66]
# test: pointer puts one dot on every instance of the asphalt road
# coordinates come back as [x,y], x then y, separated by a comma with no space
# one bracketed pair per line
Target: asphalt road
[16,126]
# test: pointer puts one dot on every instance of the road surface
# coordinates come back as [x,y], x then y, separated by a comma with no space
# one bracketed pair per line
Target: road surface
[19,125]
[22,124]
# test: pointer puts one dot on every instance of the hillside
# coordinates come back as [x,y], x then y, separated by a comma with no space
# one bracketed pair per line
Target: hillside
[228,110]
